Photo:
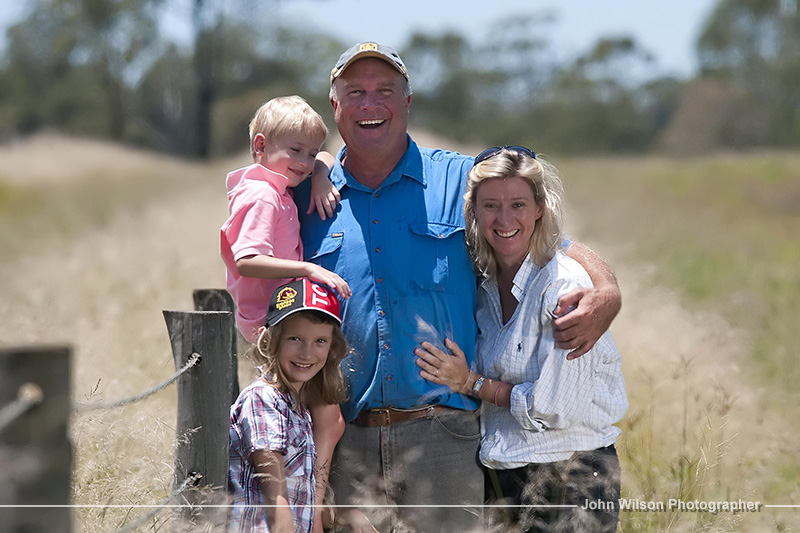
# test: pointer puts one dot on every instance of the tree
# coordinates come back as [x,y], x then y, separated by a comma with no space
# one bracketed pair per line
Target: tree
[755,45]
[83,47]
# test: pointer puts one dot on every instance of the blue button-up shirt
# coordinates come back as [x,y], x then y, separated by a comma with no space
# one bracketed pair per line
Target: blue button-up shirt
[401,248]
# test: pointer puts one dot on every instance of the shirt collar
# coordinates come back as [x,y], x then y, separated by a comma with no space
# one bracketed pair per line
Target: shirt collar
[410,166]
[260,173]
[522,278]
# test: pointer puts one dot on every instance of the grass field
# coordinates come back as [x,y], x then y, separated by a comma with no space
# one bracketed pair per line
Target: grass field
[707,252]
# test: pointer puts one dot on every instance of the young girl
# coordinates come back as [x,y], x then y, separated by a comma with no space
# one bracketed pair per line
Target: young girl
[272,451]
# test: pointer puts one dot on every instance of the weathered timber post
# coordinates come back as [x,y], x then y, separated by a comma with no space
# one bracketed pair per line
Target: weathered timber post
[35,451]
[203,412]
[221,300]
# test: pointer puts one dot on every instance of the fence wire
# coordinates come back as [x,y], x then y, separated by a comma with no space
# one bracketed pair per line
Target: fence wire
[29,394]
[188,482]
[99,406]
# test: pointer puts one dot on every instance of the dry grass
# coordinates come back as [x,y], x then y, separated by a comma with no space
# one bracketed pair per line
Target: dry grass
[701,424]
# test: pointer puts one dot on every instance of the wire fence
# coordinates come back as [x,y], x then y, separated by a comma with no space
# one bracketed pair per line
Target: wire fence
[189,482]
[35,421]
[100,406]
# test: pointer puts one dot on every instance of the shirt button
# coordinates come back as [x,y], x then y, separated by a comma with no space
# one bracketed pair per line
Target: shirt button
[380,280]
[388,378]
[382,312]
[378,250]
[441,235]
[375,221]
[385,346]
[376,195]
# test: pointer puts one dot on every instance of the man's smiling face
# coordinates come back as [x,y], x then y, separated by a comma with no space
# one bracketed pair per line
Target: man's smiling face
[371,110]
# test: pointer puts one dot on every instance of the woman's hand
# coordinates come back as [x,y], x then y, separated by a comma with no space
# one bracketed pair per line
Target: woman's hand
[445,369]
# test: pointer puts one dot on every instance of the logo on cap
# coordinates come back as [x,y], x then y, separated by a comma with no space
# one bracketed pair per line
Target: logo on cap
[285,298]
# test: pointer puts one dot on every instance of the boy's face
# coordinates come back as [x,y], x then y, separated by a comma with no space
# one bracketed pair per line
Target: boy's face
[291,155]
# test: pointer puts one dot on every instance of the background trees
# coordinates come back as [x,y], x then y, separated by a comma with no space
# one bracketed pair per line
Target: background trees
[105,68]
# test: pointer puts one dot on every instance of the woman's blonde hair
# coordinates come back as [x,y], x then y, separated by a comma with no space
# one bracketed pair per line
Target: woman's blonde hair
[287,114]
[327,386]
[547,190]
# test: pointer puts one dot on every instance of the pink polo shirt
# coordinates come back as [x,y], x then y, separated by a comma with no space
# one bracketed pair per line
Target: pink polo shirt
[262,221]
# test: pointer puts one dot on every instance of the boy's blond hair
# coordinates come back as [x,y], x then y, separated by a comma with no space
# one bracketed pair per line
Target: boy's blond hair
[284,115]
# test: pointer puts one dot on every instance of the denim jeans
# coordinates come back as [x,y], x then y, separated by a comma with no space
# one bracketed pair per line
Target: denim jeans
[424,462]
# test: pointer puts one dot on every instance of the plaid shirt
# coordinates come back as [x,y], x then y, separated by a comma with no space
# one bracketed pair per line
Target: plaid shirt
[263,418]
[557,406]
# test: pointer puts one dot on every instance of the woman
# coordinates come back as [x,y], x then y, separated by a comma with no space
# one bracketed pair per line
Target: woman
[546,423]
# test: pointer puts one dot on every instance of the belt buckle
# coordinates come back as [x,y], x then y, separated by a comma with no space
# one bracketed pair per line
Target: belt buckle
[383,416]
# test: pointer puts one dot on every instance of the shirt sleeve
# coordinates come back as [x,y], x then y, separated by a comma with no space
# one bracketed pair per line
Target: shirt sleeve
[563,390]
[263,422]
[251,228]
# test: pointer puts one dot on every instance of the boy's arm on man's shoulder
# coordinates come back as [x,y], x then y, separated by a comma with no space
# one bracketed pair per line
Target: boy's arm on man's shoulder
[324,196]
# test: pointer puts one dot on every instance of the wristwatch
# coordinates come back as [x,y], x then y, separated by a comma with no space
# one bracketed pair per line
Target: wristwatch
[476,388]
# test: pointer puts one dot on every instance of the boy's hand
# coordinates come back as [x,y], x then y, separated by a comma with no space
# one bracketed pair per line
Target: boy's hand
[324,202]
[324,196]
[325,277]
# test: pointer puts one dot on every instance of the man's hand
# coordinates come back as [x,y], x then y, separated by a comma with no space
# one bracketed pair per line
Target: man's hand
[589,313]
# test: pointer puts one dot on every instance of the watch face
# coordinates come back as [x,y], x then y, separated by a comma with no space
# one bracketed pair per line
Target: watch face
[477,387]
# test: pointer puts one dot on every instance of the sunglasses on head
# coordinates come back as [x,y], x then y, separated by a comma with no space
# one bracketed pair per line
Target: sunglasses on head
[491,152]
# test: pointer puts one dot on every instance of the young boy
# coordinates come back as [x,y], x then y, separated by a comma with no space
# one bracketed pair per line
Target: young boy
[260,242]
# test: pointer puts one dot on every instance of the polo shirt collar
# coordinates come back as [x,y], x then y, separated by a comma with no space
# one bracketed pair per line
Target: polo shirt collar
[262,173]
[409,166]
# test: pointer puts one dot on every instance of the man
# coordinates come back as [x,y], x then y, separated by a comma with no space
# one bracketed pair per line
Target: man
[398,240]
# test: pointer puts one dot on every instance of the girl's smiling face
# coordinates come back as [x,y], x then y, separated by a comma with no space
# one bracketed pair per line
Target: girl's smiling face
[303,349]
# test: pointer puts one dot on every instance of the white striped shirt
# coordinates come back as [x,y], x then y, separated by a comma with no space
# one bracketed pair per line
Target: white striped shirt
[557,406]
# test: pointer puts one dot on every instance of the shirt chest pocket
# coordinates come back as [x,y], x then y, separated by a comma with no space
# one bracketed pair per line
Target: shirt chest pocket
[436,248]
[326,252]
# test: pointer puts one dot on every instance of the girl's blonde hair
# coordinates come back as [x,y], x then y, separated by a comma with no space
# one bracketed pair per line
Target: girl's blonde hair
[287,114]
[547,190]
[327,386]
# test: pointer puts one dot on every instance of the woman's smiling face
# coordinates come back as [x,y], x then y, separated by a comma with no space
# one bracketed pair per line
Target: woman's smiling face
[507,213]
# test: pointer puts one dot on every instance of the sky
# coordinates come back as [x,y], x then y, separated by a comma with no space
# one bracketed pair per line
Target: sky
[668,29]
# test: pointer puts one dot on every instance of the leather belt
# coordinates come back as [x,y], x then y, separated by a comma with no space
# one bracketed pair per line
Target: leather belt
[390,415]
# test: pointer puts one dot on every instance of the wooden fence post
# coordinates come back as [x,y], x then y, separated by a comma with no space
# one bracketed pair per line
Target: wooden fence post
[35,451]
[203,412]
[221,300]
